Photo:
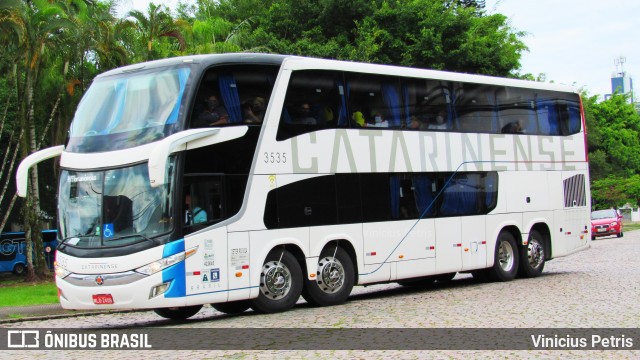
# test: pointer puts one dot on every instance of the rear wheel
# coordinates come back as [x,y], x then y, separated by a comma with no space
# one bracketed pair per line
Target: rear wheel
[334,281]
[19,269]
[532,256]
[505,264]
[232,307]
[178,313]
[280,283]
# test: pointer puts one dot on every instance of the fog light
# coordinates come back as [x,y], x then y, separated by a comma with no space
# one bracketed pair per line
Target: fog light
[159,290]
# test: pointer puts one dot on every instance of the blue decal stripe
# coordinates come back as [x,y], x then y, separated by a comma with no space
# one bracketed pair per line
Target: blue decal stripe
[219,291]
[176,273]
[173,248]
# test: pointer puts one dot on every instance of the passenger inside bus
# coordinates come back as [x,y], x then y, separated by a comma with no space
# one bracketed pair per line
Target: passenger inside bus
[378,120]
[439,122]
[253,110]
[514,127]
[213,113]
[304,115]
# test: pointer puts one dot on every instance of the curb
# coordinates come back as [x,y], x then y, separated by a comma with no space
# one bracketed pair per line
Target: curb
[49,311]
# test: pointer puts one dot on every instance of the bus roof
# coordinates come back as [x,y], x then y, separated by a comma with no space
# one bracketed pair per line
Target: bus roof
[292,62]
[204,60]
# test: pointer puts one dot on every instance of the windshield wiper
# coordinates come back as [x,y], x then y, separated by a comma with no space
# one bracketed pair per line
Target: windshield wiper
[77,236]
[133,235]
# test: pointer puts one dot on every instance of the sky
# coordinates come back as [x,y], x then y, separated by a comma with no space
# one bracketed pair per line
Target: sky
[573,42]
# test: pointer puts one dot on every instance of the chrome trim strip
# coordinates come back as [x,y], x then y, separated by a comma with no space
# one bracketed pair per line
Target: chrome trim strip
[87,280]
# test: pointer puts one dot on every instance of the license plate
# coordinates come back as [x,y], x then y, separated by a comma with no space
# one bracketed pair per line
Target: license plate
[602,230]
[103,299]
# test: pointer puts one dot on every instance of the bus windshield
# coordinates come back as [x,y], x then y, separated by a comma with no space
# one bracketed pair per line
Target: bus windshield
[120,112]
[112,208]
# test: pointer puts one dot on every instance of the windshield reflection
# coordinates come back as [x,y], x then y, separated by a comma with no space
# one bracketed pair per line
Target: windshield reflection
[112,208]
[121,112]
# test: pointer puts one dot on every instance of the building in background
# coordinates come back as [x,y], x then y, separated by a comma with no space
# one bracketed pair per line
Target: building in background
[621,82]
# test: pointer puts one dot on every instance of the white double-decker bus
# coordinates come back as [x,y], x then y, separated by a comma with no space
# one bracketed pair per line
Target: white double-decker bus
[247,180]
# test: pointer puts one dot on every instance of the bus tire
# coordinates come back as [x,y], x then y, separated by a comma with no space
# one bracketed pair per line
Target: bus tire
[532,257]
[280,283]
[334,281]
[178,313]
[232,307]
[19,269]
[505,264]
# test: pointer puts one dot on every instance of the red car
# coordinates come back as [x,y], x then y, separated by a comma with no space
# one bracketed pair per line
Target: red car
[605,223]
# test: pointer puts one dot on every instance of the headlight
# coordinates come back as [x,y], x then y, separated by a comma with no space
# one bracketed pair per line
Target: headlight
[161,264]
[614,223]
[60,271]
[164,263]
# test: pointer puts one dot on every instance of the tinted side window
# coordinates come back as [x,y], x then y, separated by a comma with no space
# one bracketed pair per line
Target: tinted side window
[348,198]
[469,194]
[241,95]
[428,104]
[310,202]
[314,101]
[376,197]
[374,101]
[476,109]
[517,111]
[558,113]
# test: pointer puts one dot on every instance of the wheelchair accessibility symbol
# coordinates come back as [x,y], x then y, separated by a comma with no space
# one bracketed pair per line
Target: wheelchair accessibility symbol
[107,232]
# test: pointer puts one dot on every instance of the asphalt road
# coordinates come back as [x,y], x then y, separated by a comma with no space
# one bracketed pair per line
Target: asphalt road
[597,288]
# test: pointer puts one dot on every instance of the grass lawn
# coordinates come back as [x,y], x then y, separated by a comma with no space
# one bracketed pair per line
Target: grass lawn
[15,292]
[631,226]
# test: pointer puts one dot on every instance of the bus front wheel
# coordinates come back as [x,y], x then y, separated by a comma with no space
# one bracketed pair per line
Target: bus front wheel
[178,313]
[505,264]
[532,256]
[334,279]
[280,283]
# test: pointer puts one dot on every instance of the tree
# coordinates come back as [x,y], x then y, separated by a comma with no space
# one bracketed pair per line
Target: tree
[36,26]
[155,25]
[613,129]
[439,34]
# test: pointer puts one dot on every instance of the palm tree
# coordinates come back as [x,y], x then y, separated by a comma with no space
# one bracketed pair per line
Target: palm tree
[156,25]
[36,25]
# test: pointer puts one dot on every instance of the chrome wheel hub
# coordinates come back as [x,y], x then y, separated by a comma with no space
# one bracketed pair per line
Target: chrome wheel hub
[330,275]
[535,253]
[275,280]
[505,256]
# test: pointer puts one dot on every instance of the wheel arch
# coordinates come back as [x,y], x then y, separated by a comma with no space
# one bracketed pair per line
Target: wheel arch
[544,230]
[351,251]
[515,231]
[295,250]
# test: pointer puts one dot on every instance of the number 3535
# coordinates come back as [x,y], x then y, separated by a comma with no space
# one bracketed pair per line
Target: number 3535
[275,157]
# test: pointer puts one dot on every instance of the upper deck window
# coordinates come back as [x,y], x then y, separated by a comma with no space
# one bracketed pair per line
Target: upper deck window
[128,110]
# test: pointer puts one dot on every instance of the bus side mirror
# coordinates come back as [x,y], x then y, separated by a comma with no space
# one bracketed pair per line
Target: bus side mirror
[22,175]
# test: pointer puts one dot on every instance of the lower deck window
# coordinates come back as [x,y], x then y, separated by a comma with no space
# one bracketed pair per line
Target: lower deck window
[355,198]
